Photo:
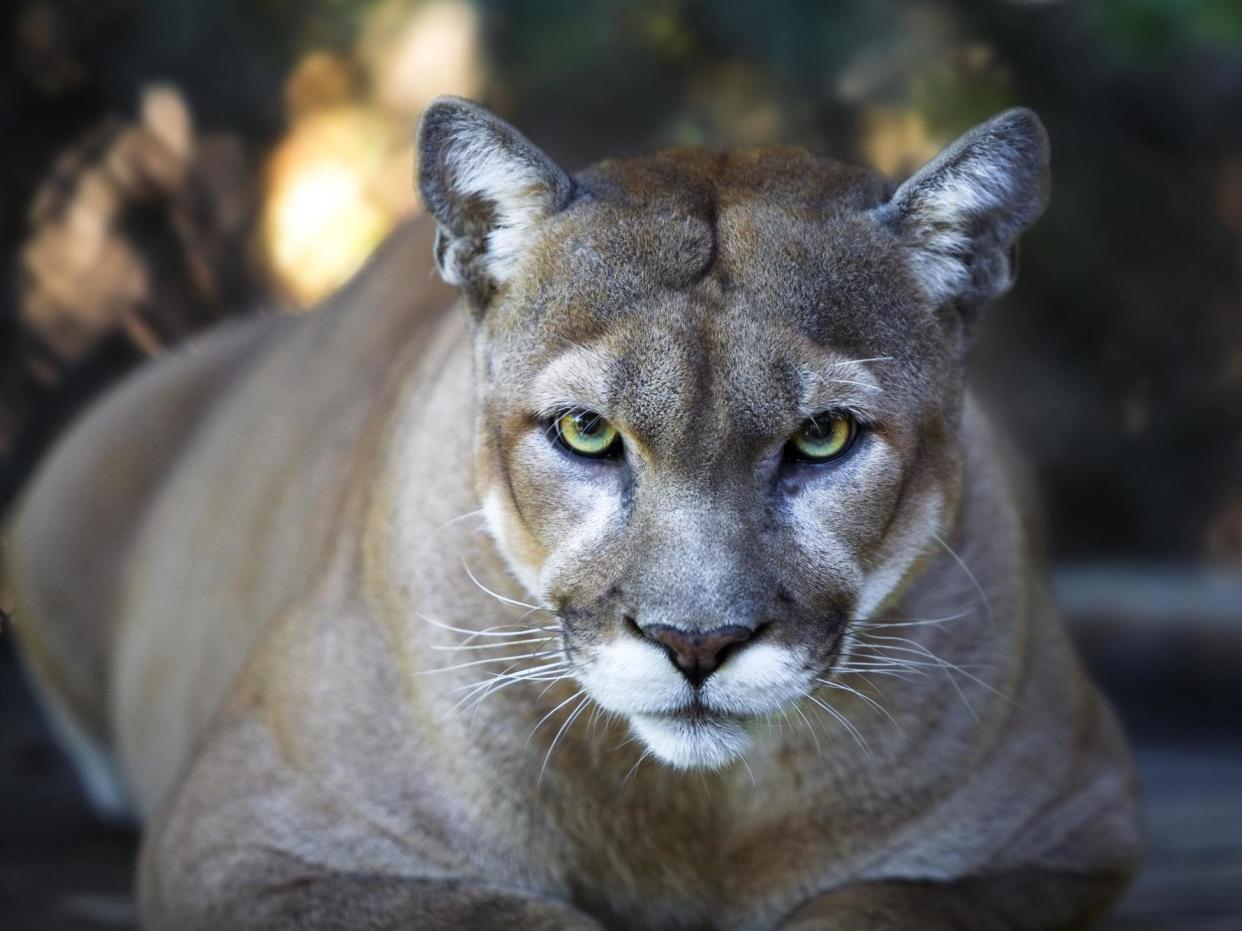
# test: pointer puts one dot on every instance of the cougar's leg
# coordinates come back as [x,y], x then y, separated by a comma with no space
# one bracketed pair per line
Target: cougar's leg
[247,842]
[1035,901]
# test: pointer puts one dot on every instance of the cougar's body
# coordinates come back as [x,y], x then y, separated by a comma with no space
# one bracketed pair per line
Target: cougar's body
[323,602]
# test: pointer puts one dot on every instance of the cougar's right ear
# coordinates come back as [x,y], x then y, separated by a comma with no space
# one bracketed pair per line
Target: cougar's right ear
[960,214]
[487,186]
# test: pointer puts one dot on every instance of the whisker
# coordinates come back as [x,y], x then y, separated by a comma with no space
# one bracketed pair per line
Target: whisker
[552,631]
[772,722]
[594,719]
[914,622]
[488,631]
[573,715]
[893,668]
[973,580]
[703,781]
[742,760]
[931,660]
[946,667]
[867,698]
[858,384]
[634,768]
[873,686]
[922,650]
[544,691]
[530,611]
[552,712]
[501,598]
[629,739]
[491,688]
[477,512]
[810,727]
[847,724]
[920,666]
[493,659]
[506,674]
[499,680]
[491,646]
[558,673]
[834,365]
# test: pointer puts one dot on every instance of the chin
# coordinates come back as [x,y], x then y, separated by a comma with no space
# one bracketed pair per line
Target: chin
[692,742]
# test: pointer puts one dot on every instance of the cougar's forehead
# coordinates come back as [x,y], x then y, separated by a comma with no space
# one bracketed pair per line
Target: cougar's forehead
[780,236]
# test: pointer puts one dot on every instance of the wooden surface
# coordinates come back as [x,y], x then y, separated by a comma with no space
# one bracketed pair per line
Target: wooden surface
[1193,877]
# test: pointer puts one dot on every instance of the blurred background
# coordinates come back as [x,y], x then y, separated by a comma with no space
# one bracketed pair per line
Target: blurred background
[171,163]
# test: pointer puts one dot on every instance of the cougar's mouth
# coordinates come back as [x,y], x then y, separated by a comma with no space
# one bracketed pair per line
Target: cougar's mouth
[699,714]
[693,739]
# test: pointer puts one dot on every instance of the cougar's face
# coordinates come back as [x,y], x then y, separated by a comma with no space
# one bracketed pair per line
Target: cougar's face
[715,429]
[718,395]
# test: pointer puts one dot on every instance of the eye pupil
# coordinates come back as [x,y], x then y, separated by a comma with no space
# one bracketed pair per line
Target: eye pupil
[815,430]
[823,438]
[587,434]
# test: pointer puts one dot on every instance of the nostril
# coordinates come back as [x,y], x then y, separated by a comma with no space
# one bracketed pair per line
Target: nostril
[726,651]
[697,653]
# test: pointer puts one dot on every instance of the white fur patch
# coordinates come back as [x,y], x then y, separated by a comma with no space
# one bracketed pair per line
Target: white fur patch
[483,169]
[988,179]
[945,214]
[631,676]
[494,518]
[596,513]
[576,378]
[689,743]
[757,680]
[904,550]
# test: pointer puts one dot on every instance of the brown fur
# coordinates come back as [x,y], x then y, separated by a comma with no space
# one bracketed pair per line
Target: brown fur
[231,574]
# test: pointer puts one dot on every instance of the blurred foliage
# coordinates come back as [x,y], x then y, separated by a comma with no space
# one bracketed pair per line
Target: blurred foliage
[1157,29]
[1117,362]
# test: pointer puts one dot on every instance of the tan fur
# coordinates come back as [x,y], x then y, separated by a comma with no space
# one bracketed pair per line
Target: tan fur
[232,573]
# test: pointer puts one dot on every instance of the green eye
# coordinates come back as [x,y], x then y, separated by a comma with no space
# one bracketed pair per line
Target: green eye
[823,437]
[587,434]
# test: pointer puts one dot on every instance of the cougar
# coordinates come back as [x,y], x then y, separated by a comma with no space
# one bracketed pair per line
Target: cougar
[667,577]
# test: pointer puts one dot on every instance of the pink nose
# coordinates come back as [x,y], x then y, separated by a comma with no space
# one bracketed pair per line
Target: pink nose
[697,653]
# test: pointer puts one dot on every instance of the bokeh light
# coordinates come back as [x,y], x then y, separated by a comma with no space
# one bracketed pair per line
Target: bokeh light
[326,206]
[342,177]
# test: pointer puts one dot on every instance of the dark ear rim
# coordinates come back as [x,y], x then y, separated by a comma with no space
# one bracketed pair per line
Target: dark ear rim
[486,185]
[448,118]
[1011,134]
[959,216]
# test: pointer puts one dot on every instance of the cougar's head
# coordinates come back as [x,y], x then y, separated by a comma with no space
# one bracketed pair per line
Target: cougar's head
[718,396]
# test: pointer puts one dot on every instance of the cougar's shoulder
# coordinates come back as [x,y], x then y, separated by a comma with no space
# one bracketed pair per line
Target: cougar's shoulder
[71,532]
[216,446]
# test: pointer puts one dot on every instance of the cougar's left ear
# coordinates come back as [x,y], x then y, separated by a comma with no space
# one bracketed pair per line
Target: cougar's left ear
[487,185]
[960,214]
